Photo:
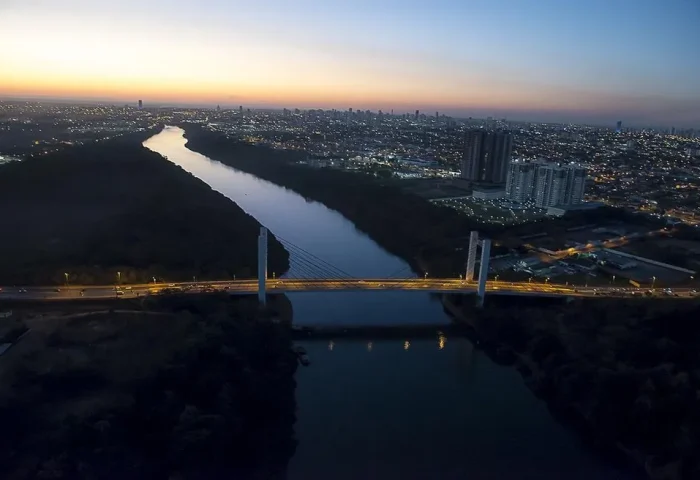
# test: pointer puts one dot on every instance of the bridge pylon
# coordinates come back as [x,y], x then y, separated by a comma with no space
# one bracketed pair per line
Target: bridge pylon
[262,265]
[471,258]
[483,270]
[474,244]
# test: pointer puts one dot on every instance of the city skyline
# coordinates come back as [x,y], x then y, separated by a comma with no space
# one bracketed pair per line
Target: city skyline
[595,63]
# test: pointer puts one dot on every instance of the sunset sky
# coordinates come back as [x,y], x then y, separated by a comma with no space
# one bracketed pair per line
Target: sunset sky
[590,60]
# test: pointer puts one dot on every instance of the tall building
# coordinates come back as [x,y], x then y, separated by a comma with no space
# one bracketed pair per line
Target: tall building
[520,184]
[557,185]
[618,129]
[417,113]
[140,104]
[486,156]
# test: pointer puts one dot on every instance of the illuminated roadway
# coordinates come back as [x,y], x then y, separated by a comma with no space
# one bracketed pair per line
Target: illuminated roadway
[284,285]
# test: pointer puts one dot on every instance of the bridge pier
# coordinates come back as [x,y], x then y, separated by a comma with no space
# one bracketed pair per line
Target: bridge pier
[262,265]
[483,270]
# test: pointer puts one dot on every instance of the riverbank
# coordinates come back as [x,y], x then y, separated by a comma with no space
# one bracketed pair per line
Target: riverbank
[563,351]
[87,212]
[623,373]
[169,387]
[378,209]
[430,237]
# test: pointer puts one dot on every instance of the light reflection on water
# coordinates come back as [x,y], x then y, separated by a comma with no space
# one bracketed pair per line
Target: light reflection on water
[438,409]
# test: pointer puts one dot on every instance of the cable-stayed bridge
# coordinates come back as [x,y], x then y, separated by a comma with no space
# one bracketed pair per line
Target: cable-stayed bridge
[309,273]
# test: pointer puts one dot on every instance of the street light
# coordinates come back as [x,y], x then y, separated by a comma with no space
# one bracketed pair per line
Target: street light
[119,277]
[653,281]
[546,280]
[426,276]
[613,279]
[496,279]
[529,280]
[66,275]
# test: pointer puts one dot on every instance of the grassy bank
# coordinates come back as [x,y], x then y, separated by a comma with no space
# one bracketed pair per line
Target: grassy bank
[93,210]
[172,387]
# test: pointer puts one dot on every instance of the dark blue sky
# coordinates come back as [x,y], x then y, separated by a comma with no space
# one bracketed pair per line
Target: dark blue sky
[588,60]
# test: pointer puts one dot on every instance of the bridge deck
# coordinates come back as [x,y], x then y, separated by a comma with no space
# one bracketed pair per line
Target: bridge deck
[288,285]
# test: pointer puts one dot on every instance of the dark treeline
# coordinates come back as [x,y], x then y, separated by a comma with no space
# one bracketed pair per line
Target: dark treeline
[211,397]
[626,373]
[110,206]
[404,224]
[424,234]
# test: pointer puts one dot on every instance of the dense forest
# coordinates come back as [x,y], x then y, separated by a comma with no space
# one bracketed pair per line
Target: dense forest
[626,373]
[175,388]
[92,210]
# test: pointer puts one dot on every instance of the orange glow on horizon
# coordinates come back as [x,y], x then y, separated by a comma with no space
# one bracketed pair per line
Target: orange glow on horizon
[102,63]
[282,92]
[362,54]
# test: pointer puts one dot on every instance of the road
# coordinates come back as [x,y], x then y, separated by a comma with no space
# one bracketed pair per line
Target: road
[437,285]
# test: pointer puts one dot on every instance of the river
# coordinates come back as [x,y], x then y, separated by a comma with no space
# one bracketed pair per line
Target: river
[393,409]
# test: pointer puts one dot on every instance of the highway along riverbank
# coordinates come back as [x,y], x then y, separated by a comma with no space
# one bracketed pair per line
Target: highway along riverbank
[387,408]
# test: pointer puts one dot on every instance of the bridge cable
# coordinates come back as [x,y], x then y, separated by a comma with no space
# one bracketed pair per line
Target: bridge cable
[301,271]
[316,259]
[396,273]
[310,270]
[311,262]
[311,274]
[301,260]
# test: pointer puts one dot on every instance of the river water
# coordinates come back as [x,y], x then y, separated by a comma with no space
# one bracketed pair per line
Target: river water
[419,409]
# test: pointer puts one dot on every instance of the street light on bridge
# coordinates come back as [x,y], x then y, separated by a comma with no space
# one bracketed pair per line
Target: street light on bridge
[426,276]
[119,277]
[653,281]
[66,275]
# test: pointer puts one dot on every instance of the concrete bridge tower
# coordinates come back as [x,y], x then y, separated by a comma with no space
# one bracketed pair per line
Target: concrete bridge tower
[262,265]
[483,270]
[471,258]
[474,244]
